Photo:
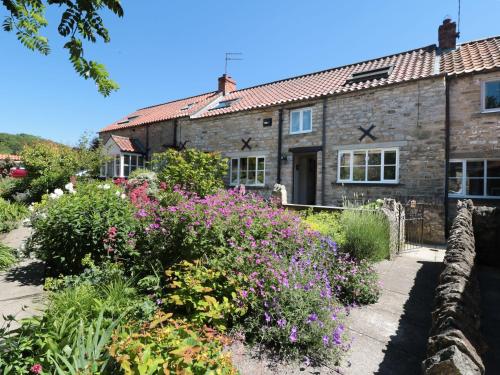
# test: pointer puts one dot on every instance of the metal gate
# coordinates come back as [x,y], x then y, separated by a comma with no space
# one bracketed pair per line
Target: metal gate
[413,225]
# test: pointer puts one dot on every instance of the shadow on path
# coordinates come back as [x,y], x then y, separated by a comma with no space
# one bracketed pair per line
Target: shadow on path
[407,348]
[489,284]
[30,272]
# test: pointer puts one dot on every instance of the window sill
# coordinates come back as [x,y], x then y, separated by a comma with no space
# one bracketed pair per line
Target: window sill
[303,132]
[488,112]
[478,197]
[369,183]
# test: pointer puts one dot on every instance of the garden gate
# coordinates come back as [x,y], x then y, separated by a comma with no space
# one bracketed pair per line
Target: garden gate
[413,225]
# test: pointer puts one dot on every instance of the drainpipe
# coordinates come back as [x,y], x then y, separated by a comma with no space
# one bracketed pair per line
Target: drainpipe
[147,143]
[447,155]
[323,152]
[175,132]
[280,142]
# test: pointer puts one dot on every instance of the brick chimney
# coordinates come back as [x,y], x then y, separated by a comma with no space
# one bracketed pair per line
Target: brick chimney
[226,84]
[447,34]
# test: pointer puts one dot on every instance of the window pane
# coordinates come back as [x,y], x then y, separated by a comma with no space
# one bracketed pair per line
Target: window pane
[251,178]
[374,158]
[492,95]
[141,161]
[493,187]
[117,167]
[456,169]
[261,164]
[374,174]
[390,157]
[252,164]
[475,186]
[306,120]
[234,171]
[295,118]
[390,173]
[243,164]
[493,168]
[344,173]
[126,159]
[358,174]
[260,177]
[345,159]
[359,158]
[455,186]
[475,169]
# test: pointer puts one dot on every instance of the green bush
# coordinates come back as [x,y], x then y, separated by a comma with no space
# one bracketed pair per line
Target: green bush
[168,346]
[7,257]
[50,166]
[195,171]
[366,234]
[95,220]
[74,332]
[10,215]
[328,224]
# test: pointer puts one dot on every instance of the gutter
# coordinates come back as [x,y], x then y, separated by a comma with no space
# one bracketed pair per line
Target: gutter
[176,124]
[280,145]
[447,81]
[323,153]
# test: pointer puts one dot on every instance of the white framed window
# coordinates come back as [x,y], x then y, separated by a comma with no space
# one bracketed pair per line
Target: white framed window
[368,166]
[474,178]
[248,170]
[490,96]
[122,165]
[301,121]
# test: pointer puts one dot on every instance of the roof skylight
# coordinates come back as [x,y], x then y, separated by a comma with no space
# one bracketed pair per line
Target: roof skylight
[224,104]
[187,106]
[368,75]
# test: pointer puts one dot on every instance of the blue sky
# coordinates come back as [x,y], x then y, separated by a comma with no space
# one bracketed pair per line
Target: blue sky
[168,49]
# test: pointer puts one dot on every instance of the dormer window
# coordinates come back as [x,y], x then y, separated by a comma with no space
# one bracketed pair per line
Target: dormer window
[491,96]
[224,104]
[187,106]
[368,75]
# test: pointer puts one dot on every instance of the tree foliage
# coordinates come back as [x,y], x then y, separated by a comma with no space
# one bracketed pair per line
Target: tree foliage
[14,143]
[80,21]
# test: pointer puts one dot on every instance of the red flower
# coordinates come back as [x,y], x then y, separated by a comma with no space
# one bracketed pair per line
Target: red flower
[36,368]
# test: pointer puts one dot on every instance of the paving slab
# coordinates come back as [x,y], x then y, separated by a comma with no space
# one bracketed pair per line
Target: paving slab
[21,287]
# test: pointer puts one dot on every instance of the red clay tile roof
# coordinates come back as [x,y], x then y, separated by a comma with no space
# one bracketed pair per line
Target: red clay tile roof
[472,57]
[127,145]
[406,66]
[10,156]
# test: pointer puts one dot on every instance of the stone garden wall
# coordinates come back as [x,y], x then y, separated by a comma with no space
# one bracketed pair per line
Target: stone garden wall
[455,343]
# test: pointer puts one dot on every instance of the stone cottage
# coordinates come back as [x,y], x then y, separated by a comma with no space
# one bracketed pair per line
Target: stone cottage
[395,126]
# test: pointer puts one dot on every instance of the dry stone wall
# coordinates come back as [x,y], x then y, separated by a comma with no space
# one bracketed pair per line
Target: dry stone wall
[455,343]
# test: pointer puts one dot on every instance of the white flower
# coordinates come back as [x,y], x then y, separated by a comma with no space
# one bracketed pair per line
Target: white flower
[117,193]
[53,196]
[31,208]
[99,186]
[123,196]
[69,187]
[58,192]
[106,186]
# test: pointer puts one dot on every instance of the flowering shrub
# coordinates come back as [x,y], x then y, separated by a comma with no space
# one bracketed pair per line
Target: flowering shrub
[93,219]
[328,224]
[168,346]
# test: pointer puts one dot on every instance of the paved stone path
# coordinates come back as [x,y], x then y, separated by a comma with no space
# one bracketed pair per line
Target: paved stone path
[390,337]
[21,286]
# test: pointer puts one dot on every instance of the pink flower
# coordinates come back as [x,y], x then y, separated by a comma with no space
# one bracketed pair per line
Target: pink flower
[36,368]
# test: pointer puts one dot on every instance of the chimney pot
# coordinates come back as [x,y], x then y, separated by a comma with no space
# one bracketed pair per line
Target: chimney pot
[447,34]
[226,84]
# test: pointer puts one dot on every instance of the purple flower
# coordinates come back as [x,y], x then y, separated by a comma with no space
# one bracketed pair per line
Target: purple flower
[267,317]
[312,318]
[244,293]
[281,322]
[293,334]
[326,340]
[142,213]
[337,335]
[159,301]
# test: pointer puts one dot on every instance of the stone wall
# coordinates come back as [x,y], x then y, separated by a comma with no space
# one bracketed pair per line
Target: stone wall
[455,343]
[395,213]
[487,233]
